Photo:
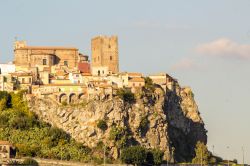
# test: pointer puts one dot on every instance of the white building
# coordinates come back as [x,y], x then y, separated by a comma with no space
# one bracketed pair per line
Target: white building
[100,71]
[113,79]
[127,76]
[6,68]
[75,78]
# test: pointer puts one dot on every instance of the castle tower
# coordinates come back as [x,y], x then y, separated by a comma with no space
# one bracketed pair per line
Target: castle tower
[105,53]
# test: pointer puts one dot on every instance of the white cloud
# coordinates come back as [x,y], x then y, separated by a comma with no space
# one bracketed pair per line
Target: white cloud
[184,64]
[224,47]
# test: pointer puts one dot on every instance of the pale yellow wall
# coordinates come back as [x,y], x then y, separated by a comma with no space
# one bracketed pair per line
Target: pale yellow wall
[136,84]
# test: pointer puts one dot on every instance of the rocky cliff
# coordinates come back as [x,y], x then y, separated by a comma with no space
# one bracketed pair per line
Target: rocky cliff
[169,121]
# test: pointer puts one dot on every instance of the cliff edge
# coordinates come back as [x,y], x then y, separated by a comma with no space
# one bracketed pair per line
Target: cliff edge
[167,120]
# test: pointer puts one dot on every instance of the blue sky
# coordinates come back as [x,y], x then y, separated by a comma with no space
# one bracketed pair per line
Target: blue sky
[204,44]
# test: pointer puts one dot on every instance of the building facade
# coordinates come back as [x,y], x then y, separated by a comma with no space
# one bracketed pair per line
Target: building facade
[7,68]
[28,56]
[105,53]
[6,150]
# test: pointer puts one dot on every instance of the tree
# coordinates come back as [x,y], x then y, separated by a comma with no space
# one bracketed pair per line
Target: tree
[134,155]
[102,125]
[4,100]
[155,157]
[143,127]
[126,95]
[3,103]
[202,154]
[149,85]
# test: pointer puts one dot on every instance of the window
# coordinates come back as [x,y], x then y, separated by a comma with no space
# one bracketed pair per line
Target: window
[23,80]
[109,46]
[99,73]
[29,80]
[103,72]
[4,79]
[65,63]
[111,58]
[44,61]
[4,149]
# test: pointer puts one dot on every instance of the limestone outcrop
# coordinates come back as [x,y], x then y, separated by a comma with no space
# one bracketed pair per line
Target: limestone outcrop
[169,121]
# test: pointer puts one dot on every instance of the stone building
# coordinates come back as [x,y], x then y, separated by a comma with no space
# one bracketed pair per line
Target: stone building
[105,54]
[28,56]
[6,150]
[164,80]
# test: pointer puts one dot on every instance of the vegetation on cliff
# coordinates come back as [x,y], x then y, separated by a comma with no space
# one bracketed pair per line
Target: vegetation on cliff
[168,121]
[141,156]
[35,138]
[32,137]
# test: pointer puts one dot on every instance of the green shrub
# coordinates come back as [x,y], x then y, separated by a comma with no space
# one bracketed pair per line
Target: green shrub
[126,95]
[5,100]
[143,127]
[155,156]
[35,138]
[190,93]
[149,85]
[102,125]
[134,155]
[116,133]
[30,162]
[201,151]
[3,103]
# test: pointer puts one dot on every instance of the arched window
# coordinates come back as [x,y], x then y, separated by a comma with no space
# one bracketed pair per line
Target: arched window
[111,58]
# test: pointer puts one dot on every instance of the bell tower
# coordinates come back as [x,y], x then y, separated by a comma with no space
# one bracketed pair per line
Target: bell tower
[105,53]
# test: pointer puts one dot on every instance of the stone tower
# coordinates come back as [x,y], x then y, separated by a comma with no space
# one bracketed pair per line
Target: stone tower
[105,53]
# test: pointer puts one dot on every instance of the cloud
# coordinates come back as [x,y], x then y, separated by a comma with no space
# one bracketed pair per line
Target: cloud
[184,64]
[224,47]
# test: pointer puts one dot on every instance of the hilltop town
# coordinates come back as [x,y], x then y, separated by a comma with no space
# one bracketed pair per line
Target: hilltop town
[67,76]
[95,103]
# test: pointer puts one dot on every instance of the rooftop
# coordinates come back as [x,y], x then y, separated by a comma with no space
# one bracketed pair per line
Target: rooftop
[136,79]
[5,143]
[46,48]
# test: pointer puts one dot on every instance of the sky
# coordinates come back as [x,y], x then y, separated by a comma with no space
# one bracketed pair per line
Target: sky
[204,44]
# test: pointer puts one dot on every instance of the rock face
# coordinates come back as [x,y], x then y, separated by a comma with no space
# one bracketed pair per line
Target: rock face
[168,121]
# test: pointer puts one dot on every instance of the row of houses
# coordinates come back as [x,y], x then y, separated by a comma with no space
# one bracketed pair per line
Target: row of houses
[61,81]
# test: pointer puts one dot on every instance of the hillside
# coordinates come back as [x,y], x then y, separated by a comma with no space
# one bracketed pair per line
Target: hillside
[35,138]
